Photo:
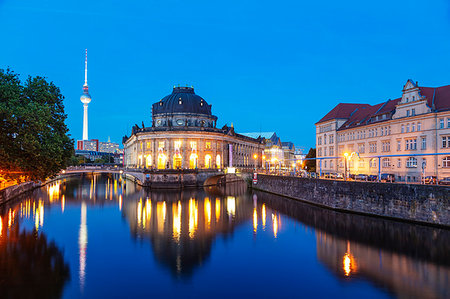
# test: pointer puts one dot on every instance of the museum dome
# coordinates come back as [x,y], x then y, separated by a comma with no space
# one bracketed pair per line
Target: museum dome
[181,100]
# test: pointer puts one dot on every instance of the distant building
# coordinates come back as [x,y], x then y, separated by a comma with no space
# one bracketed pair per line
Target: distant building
[408,137]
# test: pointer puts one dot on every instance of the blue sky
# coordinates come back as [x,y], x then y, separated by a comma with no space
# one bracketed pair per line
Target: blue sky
[263,65]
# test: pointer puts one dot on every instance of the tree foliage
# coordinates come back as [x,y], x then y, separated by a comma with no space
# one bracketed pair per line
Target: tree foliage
[33,135]
[311,164]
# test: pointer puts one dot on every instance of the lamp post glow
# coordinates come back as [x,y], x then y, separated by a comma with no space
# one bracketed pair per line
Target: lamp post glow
[345,166]
[255,156]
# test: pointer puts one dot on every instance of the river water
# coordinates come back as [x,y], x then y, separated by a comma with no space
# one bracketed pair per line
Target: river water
[101,237]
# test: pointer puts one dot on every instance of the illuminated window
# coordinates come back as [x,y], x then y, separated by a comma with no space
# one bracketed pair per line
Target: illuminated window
[446,162]
[208,145]
[208,161]
[177,144]
[193,161]
[149,144]
[162,159]
[148,162]
[193,145]
[176,161]
[411,162]
[161,145]
[218,161]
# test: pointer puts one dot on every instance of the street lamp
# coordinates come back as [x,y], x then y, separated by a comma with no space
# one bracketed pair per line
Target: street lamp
[345,166]
[255,156]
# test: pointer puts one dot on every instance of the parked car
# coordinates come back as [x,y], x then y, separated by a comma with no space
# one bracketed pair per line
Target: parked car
[339,176]
[387,177]
[372,178]
[445,181]
[361,177]
[431,179]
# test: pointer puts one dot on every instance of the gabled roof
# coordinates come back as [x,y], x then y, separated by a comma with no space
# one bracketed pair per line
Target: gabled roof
[342,110]
[437,98]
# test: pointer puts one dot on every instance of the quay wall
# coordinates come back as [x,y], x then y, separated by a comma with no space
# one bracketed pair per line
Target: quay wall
[416,203]
[16,190]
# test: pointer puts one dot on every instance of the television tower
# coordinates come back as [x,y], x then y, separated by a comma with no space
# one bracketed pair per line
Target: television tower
[85,99]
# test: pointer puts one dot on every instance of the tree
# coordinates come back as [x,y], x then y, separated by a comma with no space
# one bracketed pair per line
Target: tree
[311,164]
[33,135]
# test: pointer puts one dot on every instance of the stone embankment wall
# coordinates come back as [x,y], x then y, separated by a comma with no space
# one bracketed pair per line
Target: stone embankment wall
[16,190]
[417,203]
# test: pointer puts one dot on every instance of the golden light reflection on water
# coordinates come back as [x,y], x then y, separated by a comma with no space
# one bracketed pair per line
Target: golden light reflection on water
[53,191]
[231,205]
[63,203]
[263,216]
[208,212]
[1,226]
[120,202]
[255,220]
[193,217]
[275,225]
[139,212]
[217,209]
[348,262]
[161,215]
[176,210]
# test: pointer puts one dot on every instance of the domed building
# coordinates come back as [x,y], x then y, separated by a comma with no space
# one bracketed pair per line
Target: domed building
[183,135]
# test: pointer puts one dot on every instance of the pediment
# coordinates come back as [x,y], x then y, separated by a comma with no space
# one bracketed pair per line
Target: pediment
[409,85]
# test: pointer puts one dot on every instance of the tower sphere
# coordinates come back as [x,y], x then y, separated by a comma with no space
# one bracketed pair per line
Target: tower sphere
[85,98]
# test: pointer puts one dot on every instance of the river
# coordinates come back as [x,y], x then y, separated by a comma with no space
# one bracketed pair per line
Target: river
[102,237]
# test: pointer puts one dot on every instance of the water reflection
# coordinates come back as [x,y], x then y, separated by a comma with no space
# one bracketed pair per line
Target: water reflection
[407,260]
[181,228]
[30,265]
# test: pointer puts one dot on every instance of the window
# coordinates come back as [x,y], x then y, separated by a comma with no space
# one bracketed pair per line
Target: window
[331,164]
[441,123]
[413,127]
[324,151]
[407,112]
[399,163]
[331,151]
[177,145]
[161,145]
[424,143]
[399,145]
[448,122]
[407,128]
[149,144]
[361,148]
[446,141]
[446,162]
[325,139]
[419,126]
[193,145]
[386,163]
[403,129]
[325,163]
[319,153]
[413,111]
[386,146]
[331,139]
[372,147]
[373,163]
[411,144]
[319,141]
[208,145]
[411,162]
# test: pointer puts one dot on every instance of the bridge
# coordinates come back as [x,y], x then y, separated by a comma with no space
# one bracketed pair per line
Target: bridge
[162,178]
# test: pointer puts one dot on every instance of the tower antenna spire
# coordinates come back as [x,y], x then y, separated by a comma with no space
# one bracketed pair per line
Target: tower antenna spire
[85,70]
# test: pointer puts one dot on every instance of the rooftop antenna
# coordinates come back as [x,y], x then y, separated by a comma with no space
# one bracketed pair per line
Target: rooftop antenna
[85,70]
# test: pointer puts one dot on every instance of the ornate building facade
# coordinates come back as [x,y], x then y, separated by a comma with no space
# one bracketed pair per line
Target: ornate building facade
[408,137]
[183,135]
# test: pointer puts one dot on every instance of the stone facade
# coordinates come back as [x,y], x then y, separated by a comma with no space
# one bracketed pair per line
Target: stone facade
[183,135]
[420,203]
[399,137]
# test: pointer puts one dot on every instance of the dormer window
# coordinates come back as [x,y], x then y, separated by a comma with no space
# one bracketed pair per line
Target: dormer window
[160,103]
[179,101]
[414,97]
[407,100]
[407,112]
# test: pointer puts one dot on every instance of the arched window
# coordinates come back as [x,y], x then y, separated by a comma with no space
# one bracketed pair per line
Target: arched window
[411,162]
[148,161]
[162,158]
[208,161]
[218,161]
[176,161]
[193,161]
[446,162]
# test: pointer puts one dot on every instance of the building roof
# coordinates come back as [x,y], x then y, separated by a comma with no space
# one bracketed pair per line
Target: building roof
[342,110]
[181,100]
[438,99]
[288,144]
[267,135]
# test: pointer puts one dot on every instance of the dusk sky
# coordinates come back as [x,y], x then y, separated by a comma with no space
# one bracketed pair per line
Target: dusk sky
[263,65]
